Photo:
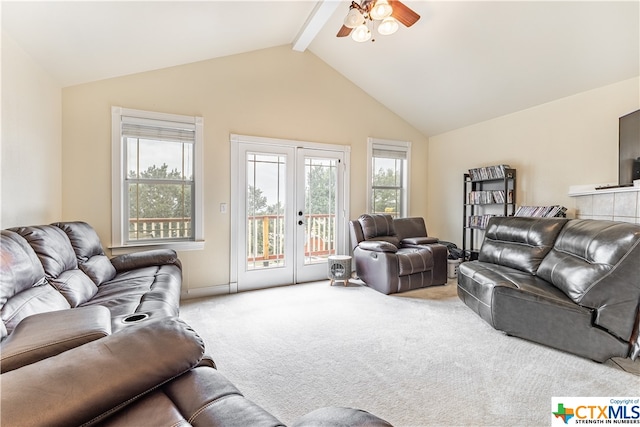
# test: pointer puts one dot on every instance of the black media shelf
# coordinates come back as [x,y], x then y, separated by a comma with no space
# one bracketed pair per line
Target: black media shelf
[494,195]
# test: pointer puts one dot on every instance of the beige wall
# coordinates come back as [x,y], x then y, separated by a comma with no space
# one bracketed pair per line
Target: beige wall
[31,141]
[273,93]
[280,93]
[570,141]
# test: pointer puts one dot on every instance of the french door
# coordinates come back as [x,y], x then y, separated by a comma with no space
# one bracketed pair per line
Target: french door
[288,211]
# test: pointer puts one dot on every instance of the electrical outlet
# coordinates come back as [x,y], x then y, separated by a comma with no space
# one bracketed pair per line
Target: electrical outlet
[223,208]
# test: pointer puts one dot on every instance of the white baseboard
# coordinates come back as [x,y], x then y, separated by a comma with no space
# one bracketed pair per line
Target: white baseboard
[205,292]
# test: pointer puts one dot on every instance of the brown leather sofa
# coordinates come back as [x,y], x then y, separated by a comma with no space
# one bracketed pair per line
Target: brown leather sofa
[91,341]
[62,266]
[571,284]
[151,374]
[396,255]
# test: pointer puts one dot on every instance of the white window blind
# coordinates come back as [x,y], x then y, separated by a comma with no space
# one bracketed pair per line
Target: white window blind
[389,152]
[136,127]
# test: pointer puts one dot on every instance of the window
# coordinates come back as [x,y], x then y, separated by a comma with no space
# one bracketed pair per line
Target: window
[156,179]
[388,177]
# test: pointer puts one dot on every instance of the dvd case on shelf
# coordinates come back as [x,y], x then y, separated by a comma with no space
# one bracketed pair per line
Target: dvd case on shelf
[479,221]
[488,197]
[488,172]
[542,211]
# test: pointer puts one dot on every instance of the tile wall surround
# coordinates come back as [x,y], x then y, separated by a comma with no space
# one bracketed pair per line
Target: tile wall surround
[616,204]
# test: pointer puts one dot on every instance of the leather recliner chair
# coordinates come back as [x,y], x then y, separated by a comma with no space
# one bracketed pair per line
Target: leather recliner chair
[396,255]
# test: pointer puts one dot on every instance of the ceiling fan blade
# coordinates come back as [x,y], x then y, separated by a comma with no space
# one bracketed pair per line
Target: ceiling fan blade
[344,31]
[403,13]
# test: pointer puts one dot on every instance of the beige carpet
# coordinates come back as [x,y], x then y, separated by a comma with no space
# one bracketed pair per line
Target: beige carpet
[421,358]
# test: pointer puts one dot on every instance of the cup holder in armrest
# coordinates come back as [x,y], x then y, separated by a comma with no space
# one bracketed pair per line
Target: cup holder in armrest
[134,318]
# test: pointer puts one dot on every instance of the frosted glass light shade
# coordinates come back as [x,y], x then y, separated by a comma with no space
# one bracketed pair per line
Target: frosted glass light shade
[381,10]
[361,33]
[388,26]
[353,19]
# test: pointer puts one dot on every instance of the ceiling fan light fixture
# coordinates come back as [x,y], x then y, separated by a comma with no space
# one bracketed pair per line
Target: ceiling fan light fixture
[383,15]
[361,33]
[388,26]
[380,10]
[353,18]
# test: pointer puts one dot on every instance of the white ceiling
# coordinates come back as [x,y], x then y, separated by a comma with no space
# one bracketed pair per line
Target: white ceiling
[463,62]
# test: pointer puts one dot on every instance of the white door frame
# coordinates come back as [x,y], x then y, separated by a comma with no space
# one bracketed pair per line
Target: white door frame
[305,272]
[342,244]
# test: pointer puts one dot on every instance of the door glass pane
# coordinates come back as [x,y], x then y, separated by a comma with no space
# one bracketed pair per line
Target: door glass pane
[265,201]
[321,184]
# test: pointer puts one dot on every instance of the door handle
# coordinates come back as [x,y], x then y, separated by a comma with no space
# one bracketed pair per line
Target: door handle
[299,213]
[300,222]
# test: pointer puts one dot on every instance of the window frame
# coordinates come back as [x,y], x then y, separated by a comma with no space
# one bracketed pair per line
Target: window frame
[392,145]
[119,241]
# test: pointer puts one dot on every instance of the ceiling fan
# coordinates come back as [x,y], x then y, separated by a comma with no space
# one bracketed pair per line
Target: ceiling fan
[387,12]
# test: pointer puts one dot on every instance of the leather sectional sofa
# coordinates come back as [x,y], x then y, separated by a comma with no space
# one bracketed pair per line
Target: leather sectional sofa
[396,255]
[88,340]
[571,284]
[61,266]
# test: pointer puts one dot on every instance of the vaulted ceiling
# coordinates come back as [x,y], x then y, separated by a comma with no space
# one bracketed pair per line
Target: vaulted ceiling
[463,62]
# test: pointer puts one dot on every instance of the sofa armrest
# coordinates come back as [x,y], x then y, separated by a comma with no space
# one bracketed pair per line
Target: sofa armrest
[440,254]
[377,246]
[414,241]
[45,335]
[142,259]
[90,382]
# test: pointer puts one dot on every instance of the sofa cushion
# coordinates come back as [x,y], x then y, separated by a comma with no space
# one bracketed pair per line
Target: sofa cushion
[519,242]
[99,269]
[477,282]
[20,273]
[154,291]
[536,314]
[379,227]
[52,246]
[585,252]
[88,249]
[75,286]
[83,239]
[20,268]
[39,299]
[410,227]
